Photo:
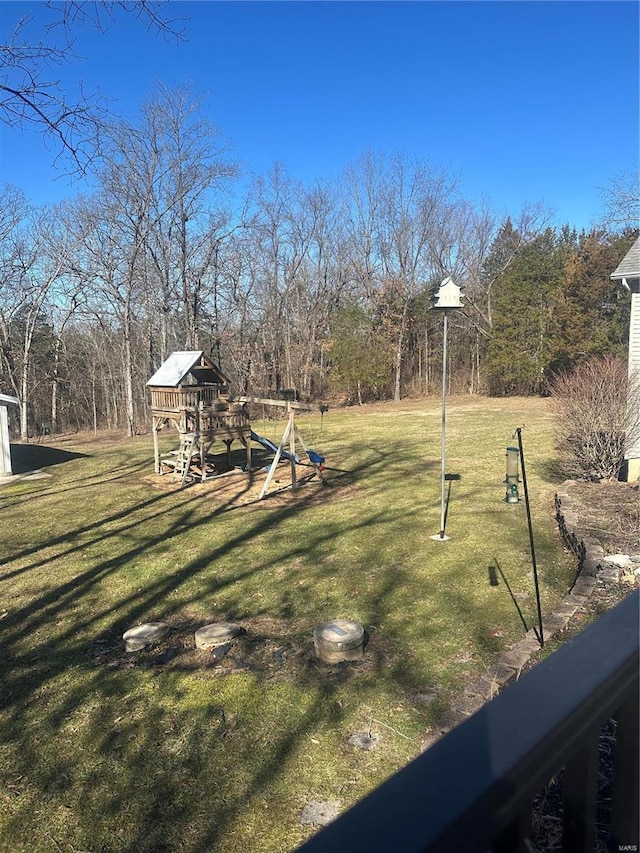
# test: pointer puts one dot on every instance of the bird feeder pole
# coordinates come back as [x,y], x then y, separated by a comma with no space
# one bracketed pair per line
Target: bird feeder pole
[443,429]
[447,299]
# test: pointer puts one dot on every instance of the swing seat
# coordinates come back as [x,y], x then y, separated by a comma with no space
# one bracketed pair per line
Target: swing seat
[316,458]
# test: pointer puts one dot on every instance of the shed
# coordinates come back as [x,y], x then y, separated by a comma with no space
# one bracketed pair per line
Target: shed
[191,393]
[628,272]
[5,446]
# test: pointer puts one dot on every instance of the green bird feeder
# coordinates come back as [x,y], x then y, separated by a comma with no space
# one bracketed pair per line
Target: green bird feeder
[512,479]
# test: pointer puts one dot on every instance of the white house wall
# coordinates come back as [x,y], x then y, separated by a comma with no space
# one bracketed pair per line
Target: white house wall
[633,452]
[5,447]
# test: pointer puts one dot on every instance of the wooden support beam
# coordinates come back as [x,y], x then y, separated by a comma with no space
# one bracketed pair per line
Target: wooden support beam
[247,447]
[158,422]
[292,447]
[276,459]
[306,450]
[156,449]
[291,432]
[282,404]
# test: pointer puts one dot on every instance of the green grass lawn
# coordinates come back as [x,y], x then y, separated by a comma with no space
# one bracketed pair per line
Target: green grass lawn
[103,751]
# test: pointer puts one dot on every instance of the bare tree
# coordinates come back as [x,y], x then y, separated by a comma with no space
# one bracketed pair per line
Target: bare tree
[69,302]
[14,211]
[621,201]
[281,238]
[190,220]
[40,255]
[362,181]
[597,408]
[151,242]
[416,210]
[399,208]
[322,282]
[112,265]
[32,96]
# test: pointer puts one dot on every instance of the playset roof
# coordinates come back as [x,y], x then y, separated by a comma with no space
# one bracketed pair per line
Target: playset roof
[188,367]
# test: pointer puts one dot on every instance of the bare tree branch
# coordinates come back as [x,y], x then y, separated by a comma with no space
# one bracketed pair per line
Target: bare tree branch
[621,200]
[29,98]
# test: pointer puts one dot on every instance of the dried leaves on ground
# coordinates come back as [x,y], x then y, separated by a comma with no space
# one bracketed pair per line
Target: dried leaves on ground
[610,512]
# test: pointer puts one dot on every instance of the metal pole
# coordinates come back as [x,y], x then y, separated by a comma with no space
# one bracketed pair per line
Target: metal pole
[444,425]
[531,544]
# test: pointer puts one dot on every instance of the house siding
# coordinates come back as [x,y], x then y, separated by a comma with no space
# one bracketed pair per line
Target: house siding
[5,448]
[634,334]
[628,272]
[633,453]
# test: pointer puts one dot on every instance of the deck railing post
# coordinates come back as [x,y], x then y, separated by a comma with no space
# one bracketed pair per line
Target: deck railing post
[625,820]
[580,785]
[515,838]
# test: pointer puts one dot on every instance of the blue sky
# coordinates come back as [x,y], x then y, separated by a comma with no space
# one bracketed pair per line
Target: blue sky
[527,101]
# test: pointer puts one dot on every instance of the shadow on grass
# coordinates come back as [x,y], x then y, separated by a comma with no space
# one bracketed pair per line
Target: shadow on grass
[122,470]
[494,569]
[551,470]
[31,457]
[124,757]
[140,757]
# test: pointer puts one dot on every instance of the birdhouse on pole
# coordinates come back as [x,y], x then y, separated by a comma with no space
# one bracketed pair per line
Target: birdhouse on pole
[447,299]
[448,296]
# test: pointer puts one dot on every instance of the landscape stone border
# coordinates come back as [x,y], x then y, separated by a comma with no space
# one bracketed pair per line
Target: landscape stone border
[591,568]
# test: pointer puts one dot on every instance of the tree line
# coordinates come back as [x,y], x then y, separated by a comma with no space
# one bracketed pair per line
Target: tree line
[324,287]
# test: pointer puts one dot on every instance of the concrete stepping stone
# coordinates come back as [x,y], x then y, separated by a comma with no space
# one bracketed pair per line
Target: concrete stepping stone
[424,699]
[211,637]
[364,740]
[320,812]
[142,636]
[339,640]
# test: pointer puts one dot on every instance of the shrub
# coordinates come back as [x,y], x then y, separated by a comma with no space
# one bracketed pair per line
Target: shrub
[597,407]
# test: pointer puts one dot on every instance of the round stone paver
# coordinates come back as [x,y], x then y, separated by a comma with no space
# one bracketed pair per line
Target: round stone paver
[141,636]
[320,812]
[217,634]
[339,640]
[364,740]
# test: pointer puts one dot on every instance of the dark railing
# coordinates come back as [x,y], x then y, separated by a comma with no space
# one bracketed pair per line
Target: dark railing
[473,790]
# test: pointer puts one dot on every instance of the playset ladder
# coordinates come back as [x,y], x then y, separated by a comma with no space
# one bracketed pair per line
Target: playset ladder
[188,447]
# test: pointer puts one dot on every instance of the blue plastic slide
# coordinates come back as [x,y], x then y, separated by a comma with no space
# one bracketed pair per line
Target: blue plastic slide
[269,445]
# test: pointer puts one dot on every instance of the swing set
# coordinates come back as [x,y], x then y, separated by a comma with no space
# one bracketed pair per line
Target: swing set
[291,439]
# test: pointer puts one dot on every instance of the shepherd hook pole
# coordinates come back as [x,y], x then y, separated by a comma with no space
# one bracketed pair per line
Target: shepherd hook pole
[532,546]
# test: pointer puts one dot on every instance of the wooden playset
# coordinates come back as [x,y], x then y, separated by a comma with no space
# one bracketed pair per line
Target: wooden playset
[191,394]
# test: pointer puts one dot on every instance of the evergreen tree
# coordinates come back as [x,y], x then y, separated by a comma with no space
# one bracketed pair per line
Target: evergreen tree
[360,366]
[525,294]
[592,312]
